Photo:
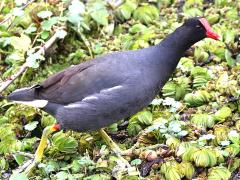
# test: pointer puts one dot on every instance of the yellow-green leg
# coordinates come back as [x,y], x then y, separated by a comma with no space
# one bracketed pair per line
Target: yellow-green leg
[43,144]
[113,146]
[50,129]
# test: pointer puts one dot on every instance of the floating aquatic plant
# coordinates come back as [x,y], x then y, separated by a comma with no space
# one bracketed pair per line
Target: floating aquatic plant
[192,124]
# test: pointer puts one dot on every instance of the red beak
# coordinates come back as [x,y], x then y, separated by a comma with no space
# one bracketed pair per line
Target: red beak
[209,31]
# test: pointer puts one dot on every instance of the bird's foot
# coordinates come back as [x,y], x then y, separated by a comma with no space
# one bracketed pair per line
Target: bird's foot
[114,147]
[31,164]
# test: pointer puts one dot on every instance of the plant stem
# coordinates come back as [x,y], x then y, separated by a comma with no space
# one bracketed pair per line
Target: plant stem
[24,67]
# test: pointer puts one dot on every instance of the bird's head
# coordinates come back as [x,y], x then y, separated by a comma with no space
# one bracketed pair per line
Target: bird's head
[200,29]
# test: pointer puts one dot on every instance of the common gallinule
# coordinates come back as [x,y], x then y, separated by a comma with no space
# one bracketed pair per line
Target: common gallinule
[99,92]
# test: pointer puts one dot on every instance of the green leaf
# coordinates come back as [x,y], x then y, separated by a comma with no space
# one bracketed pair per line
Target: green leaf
[175,126]
[31,29]
[125,10]
[61,34]
[234,136]
[137,28]
[219,172]
[99,13]
[4,41]
[229,59]
[146,14]
[136,162]
[32,60]
[45,34]
[192,12]
[145,117]
[18,176]
[3,120]
[21,43]
[229,37]
[222,114]
[76,10]
[75,166]
[31,126]
[44,14]
[47,24]
[62,175]
[176,90]
[19,159]
[133,127]
[15,57]
[76,7]
[156,102]
[7,139]
[4,165]
[113,127]
[51,166]
[97,48]
[75,19]
[203,120]
[64,143]
[182,133]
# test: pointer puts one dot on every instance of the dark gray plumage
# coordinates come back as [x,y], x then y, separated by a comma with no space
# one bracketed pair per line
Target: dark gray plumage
[106,89]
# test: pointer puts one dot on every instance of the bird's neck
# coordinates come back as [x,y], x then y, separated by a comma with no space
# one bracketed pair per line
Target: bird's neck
[173,47]
[178,41]
[168,53]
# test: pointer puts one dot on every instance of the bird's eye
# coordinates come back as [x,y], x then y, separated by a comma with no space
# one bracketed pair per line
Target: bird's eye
[198,26]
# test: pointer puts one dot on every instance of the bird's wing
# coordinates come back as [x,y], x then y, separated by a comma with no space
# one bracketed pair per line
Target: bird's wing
[76,83]
[53,87]
[63,76]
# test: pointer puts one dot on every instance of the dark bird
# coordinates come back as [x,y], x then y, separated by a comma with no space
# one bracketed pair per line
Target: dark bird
[99,92]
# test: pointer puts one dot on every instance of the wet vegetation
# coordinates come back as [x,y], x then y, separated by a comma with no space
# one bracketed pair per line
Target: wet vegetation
[190,131]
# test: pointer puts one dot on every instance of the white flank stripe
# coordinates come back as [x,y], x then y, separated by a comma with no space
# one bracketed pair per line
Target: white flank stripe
[89,98]
[35,103]
[73,105]
[111,89]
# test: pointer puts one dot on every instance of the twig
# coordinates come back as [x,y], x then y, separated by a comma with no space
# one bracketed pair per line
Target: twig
[11,15]
[24,166]
[137,151]
[9,81]
[24,67]
[25,154]
[2,5]
[86,43]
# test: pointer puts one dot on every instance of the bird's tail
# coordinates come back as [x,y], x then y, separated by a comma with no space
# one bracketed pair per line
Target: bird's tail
[23,94]
[2,97]
[27,96]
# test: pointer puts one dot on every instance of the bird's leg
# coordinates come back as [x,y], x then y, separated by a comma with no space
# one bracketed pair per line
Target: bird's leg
[43,143]
[113,146]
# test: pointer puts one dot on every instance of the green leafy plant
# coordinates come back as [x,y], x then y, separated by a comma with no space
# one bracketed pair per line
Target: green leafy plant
[63,143]
[219,173]
[98,12]
[137,121]
[146,14]
[197,99]
[125,11]
[176,89]
[203,120]
[200,76]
